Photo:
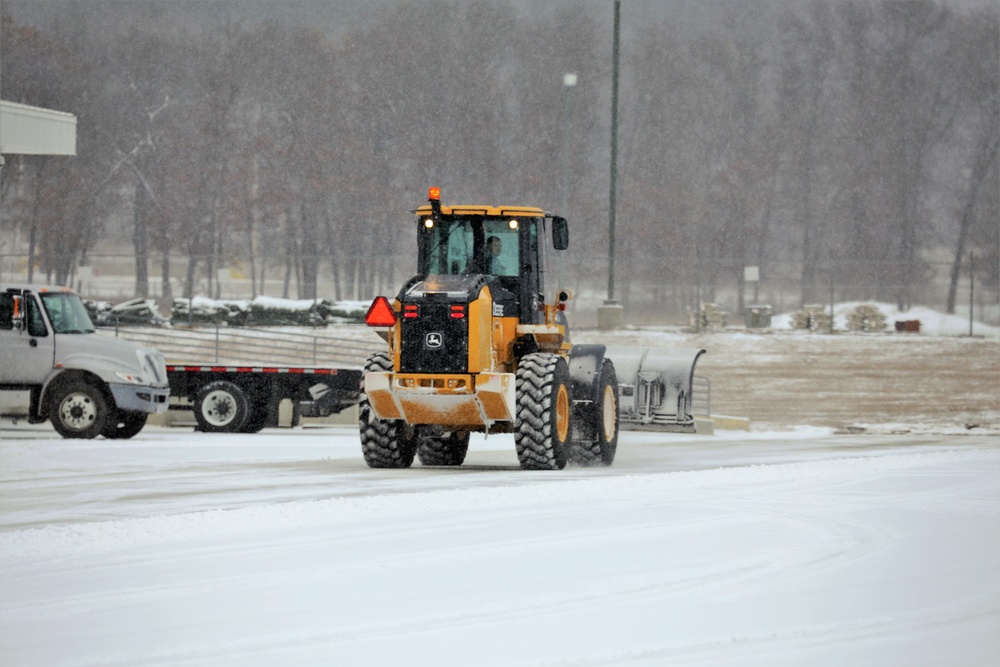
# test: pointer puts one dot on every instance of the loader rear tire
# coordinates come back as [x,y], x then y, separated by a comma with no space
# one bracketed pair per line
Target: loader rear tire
[544,411]
[444,450]
[599,440]
[385,443]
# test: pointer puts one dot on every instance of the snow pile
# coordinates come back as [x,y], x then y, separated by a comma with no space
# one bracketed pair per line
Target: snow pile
[267,311]
[142,312]
[931,322]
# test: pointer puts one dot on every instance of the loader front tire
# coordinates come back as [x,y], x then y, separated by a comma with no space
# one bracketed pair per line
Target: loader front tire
[444,450]
[385,443]
[544,408]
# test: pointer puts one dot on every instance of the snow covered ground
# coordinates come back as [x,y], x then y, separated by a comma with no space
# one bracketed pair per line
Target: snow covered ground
[798,547]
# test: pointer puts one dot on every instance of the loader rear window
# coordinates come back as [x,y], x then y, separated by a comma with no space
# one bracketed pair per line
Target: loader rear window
[470,245]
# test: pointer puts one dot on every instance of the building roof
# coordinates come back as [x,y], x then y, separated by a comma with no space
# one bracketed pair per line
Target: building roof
[29,130]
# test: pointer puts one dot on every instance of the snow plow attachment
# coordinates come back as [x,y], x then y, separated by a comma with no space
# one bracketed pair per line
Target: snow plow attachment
[655,387]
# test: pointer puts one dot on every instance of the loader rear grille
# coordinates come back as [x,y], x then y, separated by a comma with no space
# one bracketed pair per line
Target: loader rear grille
[434,342]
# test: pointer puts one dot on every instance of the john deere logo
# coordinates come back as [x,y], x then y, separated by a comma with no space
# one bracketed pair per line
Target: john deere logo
[434,340]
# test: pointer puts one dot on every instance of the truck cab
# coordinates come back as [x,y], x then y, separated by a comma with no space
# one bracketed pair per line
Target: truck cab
[86,383]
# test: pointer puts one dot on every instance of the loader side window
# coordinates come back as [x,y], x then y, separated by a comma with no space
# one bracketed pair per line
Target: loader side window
[500,248]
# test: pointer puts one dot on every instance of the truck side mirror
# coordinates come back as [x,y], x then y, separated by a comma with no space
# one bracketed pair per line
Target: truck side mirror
[560,233]
[17,314]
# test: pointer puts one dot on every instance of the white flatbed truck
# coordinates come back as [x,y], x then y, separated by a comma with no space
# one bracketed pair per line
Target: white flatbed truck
[85,383]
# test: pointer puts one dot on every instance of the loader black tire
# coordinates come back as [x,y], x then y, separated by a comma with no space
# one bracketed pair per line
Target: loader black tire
[385,443]
[443,450]
[221,407]
[544,411]
[598,435]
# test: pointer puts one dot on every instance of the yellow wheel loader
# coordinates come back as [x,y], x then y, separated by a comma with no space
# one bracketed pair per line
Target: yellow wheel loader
[475,345]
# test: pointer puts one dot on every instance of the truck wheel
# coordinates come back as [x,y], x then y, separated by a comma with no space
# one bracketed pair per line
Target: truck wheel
[220,407]
[600,443]
[78,410]
[257,420]
[444,450]
[124,424]
[544,408]
[385,443]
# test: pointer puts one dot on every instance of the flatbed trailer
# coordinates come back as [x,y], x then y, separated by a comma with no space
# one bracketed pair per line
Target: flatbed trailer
[245,398]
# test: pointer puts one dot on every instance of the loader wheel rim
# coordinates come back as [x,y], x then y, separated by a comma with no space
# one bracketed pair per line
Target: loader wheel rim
[562,413]
[609,410]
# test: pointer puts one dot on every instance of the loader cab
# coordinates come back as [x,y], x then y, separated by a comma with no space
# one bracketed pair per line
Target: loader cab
[505,246]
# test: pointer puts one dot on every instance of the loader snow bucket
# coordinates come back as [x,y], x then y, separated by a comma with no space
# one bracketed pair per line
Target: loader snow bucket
[655,387]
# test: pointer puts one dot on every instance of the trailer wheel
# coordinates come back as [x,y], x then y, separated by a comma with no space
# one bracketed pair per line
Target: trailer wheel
[220,407]
[385,443]
[544,409]
[600,435]
[443,450]
[78,410]
[124,424]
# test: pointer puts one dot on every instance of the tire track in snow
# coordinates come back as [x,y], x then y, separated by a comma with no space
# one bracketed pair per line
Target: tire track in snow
[760,491]
[98,537]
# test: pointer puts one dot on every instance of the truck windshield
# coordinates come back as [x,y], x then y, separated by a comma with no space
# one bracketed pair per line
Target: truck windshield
[471,245]
[66,312]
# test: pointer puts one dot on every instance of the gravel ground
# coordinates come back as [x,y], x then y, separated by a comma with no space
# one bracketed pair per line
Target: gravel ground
[782,378]
[845,381]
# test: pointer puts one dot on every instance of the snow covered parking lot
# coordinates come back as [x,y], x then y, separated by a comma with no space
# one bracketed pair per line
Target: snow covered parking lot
[771,548]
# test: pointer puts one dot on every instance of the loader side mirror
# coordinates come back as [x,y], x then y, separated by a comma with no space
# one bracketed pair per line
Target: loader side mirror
[560,233]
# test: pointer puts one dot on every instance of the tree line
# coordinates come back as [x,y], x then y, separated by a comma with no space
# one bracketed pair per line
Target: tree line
[852,138]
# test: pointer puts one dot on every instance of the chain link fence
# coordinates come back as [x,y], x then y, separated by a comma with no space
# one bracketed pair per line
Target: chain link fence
[652,289]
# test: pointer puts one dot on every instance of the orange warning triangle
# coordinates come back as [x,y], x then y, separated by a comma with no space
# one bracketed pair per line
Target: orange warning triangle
[380,313]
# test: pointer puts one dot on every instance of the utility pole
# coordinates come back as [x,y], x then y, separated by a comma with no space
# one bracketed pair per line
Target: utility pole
[615,51]
[972,289]
[611,314]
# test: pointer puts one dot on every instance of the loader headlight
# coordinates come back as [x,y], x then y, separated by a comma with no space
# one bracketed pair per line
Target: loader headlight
[512,224]
[429,223]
